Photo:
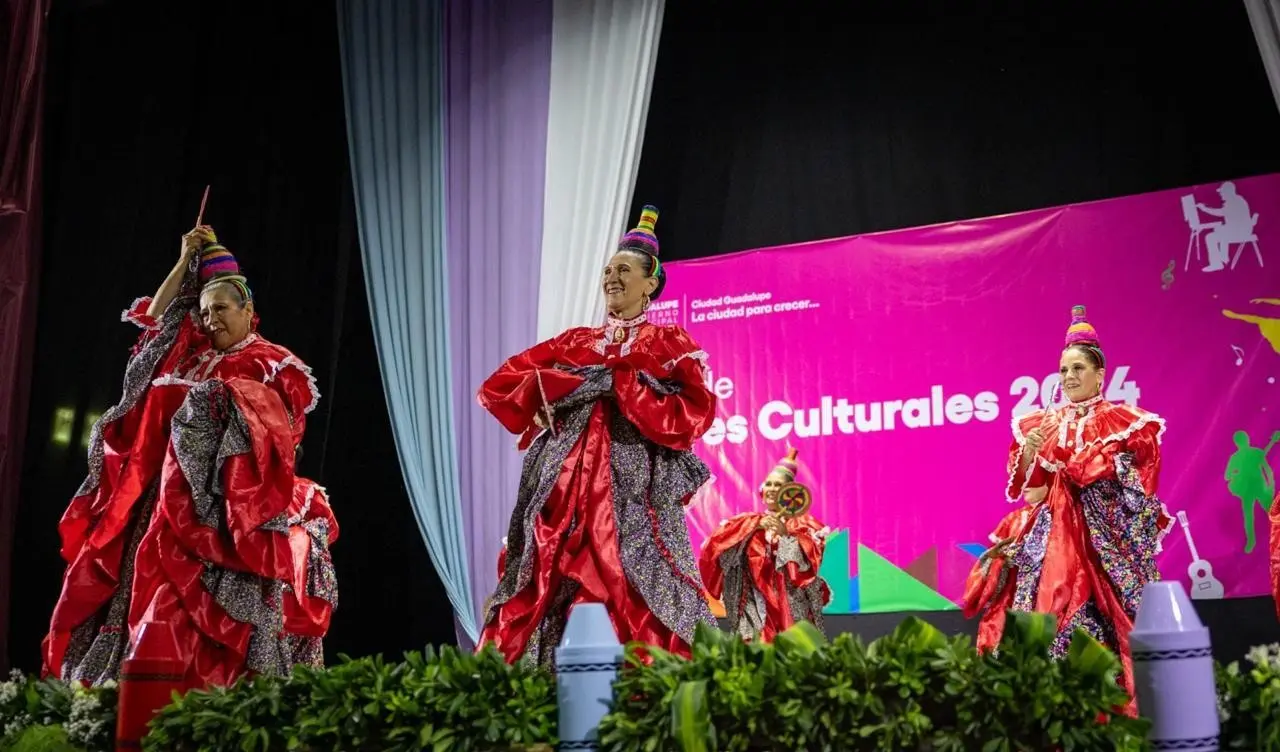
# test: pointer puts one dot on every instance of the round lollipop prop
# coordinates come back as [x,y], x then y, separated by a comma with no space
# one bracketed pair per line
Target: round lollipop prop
[794,500]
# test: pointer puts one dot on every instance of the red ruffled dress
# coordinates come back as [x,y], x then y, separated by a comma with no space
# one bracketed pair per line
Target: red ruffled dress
[988,591]
[599,516]
[1087,551]
[192,513]
[767,583]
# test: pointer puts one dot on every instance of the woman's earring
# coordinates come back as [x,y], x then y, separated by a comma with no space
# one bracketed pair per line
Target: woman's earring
[646,303]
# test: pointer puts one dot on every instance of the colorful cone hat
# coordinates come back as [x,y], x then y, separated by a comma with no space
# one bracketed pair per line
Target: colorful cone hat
[217,264]
[642,238]
[1081,332]
[786,467]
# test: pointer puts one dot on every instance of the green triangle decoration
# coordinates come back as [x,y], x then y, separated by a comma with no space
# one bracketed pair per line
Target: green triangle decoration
[884,587]
[835,571]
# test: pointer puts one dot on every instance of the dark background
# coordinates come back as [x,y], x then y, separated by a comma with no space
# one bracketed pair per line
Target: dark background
[768,123]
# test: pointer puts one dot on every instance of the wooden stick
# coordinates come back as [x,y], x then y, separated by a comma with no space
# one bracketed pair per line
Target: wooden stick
[203,202]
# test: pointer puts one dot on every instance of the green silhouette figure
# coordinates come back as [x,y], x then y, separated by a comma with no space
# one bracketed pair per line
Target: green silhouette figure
[1250,479]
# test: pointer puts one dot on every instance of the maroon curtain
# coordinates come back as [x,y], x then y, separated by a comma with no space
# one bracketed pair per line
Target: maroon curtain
[22,31]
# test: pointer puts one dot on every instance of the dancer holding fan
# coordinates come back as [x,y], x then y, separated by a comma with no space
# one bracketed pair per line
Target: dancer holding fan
[193,513]
[764,565]
[1090,469]
[599,518]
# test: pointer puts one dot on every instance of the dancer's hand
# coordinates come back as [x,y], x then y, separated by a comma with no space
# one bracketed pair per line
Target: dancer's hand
[773,525]
[997,551]
[1035,495]
[1035,441]
[192,242]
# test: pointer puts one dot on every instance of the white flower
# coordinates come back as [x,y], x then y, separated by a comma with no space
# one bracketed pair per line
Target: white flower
[1265,656]
[17,724]
[84,722]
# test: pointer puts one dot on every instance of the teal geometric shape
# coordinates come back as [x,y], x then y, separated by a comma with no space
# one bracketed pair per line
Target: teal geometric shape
[835,571]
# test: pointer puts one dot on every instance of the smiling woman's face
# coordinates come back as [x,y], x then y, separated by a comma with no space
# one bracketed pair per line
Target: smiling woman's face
[227,318]
[1081,376]
[772,485]
[626,283]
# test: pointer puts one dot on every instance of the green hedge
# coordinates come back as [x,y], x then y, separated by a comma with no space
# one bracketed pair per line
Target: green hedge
[914,689]
[447,701]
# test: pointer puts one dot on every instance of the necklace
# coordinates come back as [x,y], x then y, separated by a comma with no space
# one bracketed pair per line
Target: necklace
[618,331]
[1083,407]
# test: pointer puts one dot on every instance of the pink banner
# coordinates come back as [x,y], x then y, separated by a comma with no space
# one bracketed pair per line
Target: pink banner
[895,362]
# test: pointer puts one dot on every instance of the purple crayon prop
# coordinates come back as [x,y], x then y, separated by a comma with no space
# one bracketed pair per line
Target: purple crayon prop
[587,663]
[1173,670]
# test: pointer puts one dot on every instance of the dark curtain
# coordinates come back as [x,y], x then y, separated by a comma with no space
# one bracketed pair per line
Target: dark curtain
[781,123]
[776,123]
[148,101]
[22,63]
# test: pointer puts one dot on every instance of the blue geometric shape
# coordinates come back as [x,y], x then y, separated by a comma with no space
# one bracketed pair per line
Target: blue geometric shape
[855,603]
[973,549]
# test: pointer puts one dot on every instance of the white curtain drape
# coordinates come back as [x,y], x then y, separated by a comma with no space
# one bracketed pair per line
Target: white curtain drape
[1264,17]
[602,61]
[393,82]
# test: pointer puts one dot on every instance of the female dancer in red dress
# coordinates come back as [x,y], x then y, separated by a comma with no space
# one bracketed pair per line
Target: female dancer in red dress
[765,565]
[600,513]
[1090,469]
[1275,551]
[192,513]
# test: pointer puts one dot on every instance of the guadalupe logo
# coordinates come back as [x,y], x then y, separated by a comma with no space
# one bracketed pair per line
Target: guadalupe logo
[664,312]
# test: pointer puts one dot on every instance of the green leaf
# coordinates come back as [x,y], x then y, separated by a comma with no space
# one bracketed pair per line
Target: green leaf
[1089,657]
[919,634]
[1032,630]
[801,638]
[690,717]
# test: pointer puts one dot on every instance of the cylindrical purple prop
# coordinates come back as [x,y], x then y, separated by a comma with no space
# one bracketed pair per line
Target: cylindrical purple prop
[587,664]
[1173,670]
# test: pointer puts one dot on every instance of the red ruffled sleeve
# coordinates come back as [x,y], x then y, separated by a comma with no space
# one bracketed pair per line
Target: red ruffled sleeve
[1120,429]
[1146,457]
[728,536]
[525,384]
[1093,464]
[293,381]
[673,420]
[136,314]
[1035,475]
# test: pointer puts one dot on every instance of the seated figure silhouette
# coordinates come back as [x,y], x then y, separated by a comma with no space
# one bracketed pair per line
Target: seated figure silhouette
[1236,225]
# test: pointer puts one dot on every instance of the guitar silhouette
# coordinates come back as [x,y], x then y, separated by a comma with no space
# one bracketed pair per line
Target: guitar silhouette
[1204,586]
